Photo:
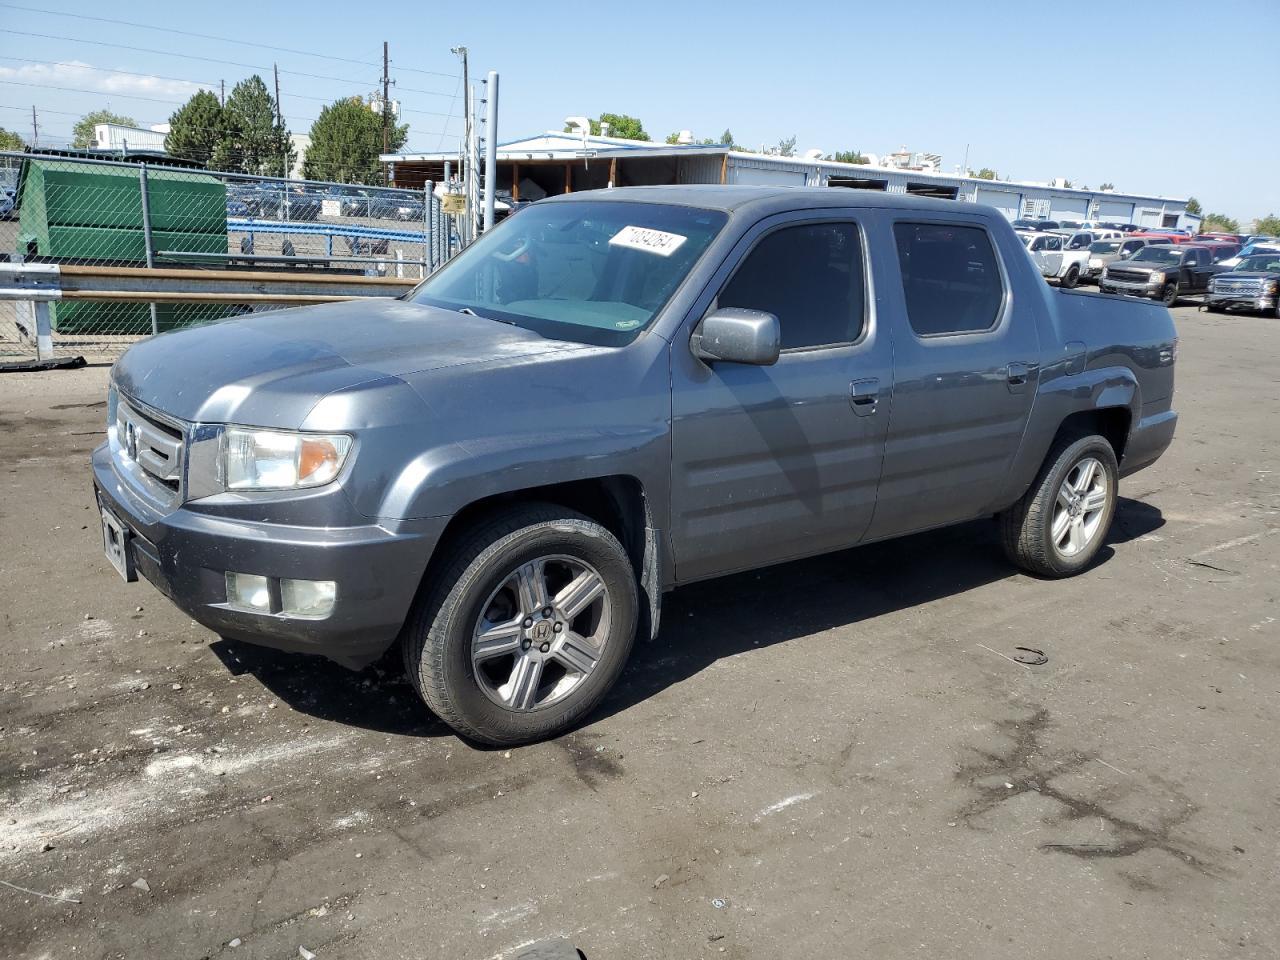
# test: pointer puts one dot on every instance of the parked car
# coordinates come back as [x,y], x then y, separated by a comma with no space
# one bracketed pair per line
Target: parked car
[1030,224]
[1161,272]
[1265,245]
[1048,251]
[1103,253]
[1069,224]
[8,201]
[1171,236]
[392,207]
[1252,284]
[608,396]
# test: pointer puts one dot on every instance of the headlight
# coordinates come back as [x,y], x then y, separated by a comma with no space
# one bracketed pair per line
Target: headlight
[1156,277]
[1271,286]
[276,460]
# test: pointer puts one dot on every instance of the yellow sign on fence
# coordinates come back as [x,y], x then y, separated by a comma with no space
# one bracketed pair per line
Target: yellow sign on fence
[454,204]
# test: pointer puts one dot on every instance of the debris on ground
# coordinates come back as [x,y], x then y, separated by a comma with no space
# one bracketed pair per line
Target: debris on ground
[141,884]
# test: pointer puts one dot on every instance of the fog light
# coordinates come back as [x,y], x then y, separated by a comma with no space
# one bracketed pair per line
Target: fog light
[249,591]
[307,598]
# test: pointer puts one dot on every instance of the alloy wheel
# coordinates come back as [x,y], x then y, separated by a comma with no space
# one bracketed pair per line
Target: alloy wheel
[1079,508]
[541,632]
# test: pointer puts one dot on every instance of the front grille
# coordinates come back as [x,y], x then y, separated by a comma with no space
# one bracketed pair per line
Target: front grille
[1128,276]
[1247,287]
[152,442]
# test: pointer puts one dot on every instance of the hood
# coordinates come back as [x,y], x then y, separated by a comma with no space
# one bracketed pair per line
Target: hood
[1247,275]
[270,369]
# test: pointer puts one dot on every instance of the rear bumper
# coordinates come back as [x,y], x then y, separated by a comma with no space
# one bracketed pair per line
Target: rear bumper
[1147,441]
[186,554]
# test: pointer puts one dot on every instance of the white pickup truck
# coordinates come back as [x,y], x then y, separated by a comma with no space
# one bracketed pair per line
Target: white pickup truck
[1061,255]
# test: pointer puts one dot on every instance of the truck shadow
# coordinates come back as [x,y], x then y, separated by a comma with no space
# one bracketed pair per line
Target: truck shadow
[701,623]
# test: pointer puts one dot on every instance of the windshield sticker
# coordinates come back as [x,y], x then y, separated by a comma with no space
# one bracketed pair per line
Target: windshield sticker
[643,238]
[626,324]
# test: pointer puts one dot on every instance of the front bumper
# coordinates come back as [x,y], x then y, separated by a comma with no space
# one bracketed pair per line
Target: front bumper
[185,554]
[1245,301]
[1148,290]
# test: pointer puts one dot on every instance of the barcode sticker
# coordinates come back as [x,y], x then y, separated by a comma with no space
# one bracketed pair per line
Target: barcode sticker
[643,238]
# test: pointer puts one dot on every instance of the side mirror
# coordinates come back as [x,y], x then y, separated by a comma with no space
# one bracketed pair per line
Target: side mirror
[737,335]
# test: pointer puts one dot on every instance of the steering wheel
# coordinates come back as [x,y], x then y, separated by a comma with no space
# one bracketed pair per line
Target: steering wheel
[518,252]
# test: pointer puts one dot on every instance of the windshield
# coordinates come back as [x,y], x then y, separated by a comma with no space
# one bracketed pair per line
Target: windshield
[1156,254]
[1104,246]
[595,271]
[1262,262]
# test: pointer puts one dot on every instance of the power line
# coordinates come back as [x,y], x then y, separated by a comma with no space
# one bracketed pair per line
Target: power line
[207,36]
[185,56]
[125,73]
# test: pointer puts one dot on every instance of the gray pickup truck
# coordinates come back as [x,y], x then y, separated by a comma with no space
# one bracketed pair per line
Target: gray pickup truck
[610,395]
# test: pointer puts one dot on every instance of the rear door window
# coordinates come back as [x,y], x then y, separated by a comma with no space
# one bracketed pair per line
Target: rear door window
[950,278]
[811,278]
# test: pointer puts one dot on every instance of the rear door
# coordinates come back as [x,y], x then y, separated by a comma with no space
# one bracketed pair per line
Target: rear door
[966,365]
[775,462]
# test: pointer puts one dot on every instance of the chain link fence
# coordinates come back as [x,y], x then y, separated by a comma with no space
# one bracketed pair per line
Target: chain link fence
[101,213]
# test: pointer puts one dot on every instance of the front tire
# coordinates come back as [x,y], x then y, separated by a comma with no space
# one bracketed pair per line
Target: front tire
[526,628]
[1169,296]
[1060,524]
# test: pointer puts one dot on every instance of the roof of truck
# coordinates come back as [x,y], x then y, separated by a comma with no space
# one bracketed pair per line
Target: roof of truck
[731,197]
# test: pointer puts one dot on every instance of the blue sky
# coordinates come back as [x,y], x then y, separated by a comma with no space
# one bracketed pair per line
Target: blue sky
[1155,98]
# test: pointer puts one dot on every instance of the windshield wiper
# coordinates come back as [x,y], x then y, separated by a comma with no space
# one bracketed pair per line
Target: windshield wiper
[472,313]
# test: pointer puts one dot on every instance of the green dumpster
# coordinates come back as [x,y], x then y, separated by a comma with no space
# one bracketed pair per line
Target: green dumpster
[90,213]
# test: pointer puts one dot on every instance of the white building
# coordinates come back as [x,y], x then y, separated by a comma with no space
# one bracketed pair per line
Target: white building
[555,162]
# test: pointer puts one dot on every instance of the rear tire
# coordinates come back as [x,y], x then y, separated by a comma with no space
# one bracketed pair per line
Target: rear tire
[526,627]
[1071,279]
[1060,524]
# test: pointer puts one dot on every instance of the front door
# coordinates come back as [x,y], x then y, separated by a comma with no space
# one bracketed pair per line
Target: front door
[782,461]
[965,374]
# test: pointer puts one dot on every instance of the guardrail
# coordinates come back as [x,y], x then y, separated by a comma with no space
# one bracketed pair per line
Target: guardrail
[43,284]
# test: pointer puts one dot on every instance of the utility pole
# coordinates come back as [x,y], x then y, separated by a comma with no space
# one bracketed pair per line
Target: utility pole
[490,147]
[284,150]
[35,128]
[222,92]
[468,144]
[386,108]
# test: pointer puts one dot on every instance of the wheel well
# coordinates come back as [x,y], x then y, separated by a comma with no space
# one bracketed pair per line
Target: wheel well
[1111,423]
[616,503]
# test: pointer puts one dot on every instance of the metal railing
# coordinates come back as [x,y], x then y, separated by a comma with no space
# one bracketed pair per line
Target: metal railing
[99,213]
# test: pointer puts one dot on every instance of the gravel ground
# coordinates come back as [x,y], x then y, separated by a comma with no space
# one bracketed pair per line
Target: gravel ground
[832,758]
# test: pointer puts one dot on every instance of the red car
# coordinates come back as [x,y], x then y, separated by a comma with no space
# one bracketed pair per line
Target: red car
[1171,237]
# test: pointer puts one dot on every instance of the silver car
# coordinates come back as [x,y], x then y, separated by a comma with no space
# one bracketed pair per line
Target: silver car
[1103,253]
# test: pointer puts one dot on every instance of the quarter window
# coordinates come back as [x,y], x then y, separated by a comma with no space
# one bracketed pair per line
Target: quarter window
[811,278]
[950,278]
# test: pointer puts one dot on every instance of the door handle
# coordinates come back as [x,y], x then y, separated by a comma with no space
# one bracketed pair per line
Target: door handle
[864,396]
[1018,372]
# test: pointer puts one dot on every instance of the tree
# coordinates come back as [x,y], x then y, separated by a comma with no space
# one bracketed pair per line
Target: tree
[620,125]
[1219,223]
[11,141]
[82,133]
[727,138]
[673,138]
[346,140]
[1193,207]
[848,156]
[1269,225]
[786,147]
[1105,187]
[259,141]
[986,173]
[198,131]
